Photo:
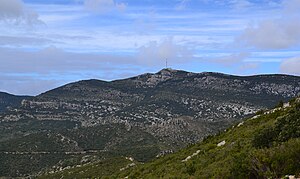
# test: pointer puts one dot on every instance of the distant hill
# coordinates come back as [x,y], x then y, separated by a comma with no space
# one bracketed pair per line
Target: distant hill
[144,116]
[9,100]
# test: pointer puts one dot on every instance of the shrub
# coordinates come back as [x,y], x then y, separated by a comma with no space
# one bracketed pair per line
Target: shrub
[264,138]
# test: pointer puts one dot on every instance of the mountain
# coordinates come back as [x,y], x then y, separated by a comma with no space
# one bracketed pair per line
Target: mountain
[175,106]
[266,145]
[145,116]
[9,100]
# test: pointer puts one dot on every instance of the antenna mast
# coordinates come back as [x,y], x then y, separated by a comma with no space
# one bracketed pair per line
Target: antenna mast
[166,63]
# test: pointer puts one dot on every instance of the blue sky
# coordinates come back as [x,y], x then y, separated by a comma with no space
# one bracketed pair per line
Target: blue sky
[45,44]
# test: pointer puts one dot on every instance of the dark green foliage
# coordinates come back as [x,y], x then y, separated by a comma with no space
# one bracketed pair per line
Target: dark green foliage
[280,104]
[241,165]
[285,128]
[260,112]
[289,127]
[32,138]
[190,168]
[278,161]
[264,138]
[22,165]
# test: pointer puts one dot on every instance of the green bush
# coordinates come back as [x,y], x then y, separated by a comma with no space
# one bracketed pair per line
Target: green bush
[190,168]
[289,127]
[264,138]
[279,161]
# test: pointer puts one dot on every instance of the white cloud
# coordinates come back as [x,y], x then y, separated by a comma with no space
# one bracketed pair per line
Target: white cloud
[24,85]
[240,4]
[291,66]
[103,6]
[121,6]
[235,4]
[248,67]
[61,18]
[273,34]
[18,41]
[182,5]
[280,33]
[54,60]
[155,53]
[146,23]
[15,12]
[232,59]
[291,7]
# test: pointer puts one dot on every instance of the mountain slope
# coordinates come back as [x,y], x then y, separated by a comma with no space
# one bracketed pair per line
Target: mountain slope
[59,144]
[265,146]
[8,100]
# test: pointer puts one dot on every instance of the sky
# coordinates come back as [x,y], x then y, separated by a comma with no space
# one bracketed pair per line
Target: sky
[47,43]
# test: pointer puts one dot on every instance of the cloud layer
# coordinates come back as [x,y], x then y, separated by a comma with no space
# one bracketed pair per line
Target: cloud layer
[232,59]
[103,6]
[291,66]
[91,39]
[54,60]
[273,34]
[279,33]
[15,12]
[155,53]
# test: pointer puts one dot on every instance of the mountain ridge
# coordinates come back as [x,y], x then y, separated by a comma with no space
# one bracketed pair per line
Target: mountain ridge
[159,72]
[145,116]
[173,72]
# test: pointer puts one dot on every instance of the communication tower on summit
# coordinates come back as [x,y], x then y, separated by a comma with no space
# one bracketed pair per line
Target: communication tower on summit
[166,63]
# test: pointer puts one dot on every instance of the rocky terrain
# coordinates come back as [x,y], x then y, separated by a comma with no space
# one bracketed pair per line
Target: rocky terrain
[159,112]
[266,145]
